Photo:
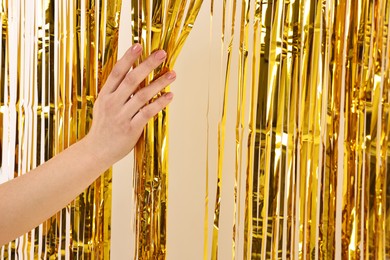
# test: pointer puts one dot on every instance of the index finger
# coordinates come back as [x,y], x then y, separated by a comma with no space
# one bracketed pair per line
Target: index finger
[132,80]
[121,68]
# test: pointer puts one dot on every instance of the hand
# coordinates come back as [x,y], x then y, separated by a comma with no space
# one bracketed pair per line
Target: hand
[122,110]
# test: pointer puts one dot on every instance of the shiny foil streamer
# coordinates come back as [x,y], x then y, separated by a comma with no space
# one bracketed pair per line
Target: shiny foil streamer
[55,56]
[156,24]
[312,129]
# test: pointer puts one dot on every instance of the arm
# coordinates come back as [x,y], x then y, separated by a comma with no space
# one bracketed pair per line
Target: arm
[118,122]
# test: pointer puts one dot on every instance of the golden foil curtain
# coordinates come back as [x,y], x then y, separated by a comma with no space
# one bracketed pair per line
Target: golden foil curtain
[54,57]
[312,129]
[157,24]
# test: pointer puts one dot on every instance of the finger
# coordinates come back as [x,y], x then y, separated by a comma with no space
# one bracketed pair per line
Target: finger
[121,68]
[145,94]
[149,111]
[132,80]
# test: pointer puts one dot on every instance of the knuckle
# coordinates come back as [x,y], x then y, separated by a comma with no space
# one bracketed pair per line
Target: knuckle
[156,86]
[161,102]
[160,82]
[130,80]
[106,102]
[142,96]
[164,83]
[147,112]
[117,71]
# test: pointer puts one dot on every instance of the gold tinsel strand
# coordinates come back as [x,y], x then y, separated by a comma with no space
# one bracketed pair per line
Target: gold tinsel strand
[157,24]
[55,56]
[317,142]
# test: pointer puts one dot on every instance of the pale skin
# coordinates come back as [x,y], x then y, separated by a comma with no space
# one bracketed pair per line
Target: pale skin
[120,113]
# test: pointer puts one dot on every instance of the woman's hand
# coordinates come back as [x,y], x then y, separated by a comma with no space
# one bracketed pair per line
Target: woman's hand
[120,114]
[122,110]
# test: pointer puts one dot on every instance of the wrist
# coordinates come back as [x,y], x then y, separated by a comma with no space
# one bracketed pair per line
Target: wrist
[99,153]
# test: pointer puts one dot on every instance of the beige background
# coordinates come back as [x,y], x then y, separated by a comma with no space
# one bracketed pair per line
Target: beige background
[198,78]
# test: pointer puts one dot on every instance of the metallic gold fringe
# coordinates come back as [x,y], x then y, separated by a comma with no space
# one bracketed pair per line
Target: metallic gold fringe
[157,24]
[317,183]
[55,56]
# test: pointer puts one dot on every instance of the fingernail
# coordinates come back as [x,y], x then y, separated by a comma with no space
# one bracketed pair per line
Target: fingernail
[168,95]
[136,47]
[160,54]
[171,75]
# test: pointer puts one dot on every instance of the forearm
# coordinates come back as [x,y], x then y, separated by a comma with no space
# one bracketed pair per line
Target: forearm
[32,198]
[120,113]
